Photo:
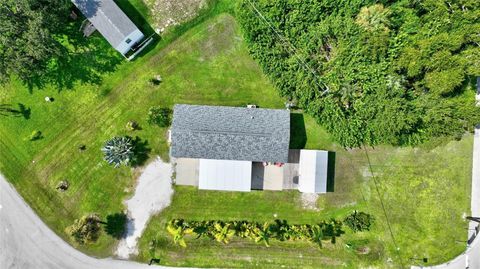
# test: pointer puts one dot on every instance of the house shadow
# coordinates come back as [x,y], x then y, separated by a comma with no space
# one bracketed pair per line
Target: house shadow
[298,134]
[331,171]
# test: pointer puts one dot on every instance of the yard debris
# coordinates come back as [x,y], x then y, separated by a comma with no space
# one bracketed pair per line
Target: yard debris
[62,186]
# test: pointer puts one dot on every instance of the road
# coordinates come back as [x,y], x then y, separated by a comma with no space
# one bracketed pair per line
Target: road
[470,259]
[26,242]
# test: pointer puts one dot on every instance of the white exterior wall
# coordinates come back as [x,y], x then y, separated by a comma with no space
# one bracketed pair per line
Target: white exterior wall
[225,175]
[135,36]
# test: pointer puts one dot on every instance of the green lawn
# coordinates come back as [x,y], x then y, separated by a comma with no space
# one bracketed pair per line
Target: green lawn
[206,61]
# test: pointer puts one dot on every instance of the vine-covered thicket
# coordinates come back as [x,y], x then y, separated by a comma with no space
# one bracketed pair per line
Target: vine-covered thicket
[373,72]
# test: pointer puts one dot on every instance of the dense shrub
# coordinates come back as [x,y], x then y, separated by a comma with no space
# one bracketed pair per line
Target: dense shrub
[85,230]
[159,116]
[223,231]
[359,221]
[396,73]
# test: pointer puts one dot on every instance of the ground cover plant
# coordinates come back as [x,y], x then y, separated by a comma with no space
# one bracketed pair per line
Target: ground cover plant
[392,72]
[206,62]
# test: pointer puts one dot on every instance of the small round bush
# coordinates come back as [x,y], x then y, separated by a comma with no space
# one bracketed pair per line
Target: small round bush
[132,125]
[159,116]
[35,135]
[359,221]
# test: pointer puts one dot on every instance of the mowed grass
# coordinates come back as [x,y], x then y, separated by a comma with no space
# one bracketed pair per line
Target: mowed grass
[425,191]
[208,65]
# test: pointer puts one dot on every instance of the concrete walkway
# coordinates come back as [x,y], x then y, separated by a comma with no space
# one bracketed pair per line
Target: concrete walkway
[26,242]
[471,257]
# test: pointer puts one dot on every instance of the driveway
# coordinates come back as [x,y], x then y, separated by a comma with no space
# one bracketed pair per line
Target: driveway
[26,242]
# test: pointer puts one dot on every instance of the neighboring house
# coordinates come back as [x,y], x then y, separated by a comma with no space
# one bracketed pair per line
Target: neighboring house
[112,23]
[237,149]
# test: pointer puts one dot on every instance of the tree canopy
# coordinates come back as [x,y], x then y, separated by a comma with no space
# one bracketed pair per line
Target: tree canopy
[372,72]
[27,39]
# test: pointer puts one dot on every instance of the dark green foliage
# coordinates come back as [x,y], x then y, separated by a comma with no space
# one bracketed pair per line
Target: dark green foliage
[372,73]
[27,40]
[116,225]
[223,231]
[119,151]
[159,116]
[85,230]
[359,221]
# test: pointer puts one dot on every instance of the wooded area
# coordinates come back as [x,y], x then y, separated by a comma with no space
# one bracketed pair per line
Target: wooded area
[372,72]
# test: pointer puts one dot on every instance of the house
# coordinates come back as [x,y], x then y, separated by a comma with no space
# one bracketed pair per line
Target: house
[237,149]
[112,23]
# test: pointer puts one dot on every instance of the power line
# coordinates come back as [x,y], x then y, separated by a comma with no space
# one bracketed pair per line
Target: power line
[292,48]
[383,206]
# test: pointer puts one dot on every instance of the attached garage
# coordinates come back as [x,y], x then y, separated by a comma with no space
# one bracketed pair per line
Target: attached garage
[225,175]
[313,171]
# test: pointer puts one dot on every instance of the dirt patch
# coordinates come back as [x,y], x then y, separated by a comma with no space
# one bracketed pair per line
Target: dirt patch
[168,13]
[309,201]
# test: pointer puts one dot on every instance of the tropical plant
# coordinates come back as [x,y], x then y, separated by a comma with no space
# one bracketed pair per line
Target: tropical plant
[359,221]
[119,151]
[223,232]
[178,229]
[159,116]
[85,230]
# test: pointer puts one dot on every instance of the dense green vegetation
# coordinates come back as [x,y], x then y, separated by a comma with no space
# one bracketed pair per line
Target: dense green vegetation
[394,72]
[29,43]
[224,231]
[205,61]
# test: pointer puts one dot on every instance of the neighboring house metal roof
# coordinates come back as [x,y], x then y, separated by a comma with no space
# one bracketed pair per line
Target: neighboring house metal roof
[230,133]
[108,18]
[313,171]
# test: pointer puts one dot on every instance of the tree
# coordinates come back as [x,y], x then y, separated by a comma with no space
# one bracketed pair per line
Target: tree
[119,151]
[159,116]
[27,40]
[85,230]
[394,71]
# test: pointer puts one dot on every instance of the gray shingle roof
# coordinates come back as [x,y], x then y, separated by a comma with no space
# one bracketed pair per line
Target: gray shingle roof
[230,133]
[108,18]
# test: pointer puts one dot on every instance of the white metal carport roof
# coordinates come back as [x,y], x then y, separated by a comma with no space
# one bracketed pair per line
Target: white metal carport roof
[313,169]
[225,175]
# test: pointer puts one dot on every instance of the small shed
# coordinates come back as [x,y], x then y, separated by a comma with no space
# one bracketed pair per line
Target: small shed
[225,175]
[313,171]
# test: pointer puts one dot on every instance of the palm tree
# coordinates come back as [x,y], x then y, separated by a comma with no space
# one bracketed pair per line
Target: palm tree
[119,150]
